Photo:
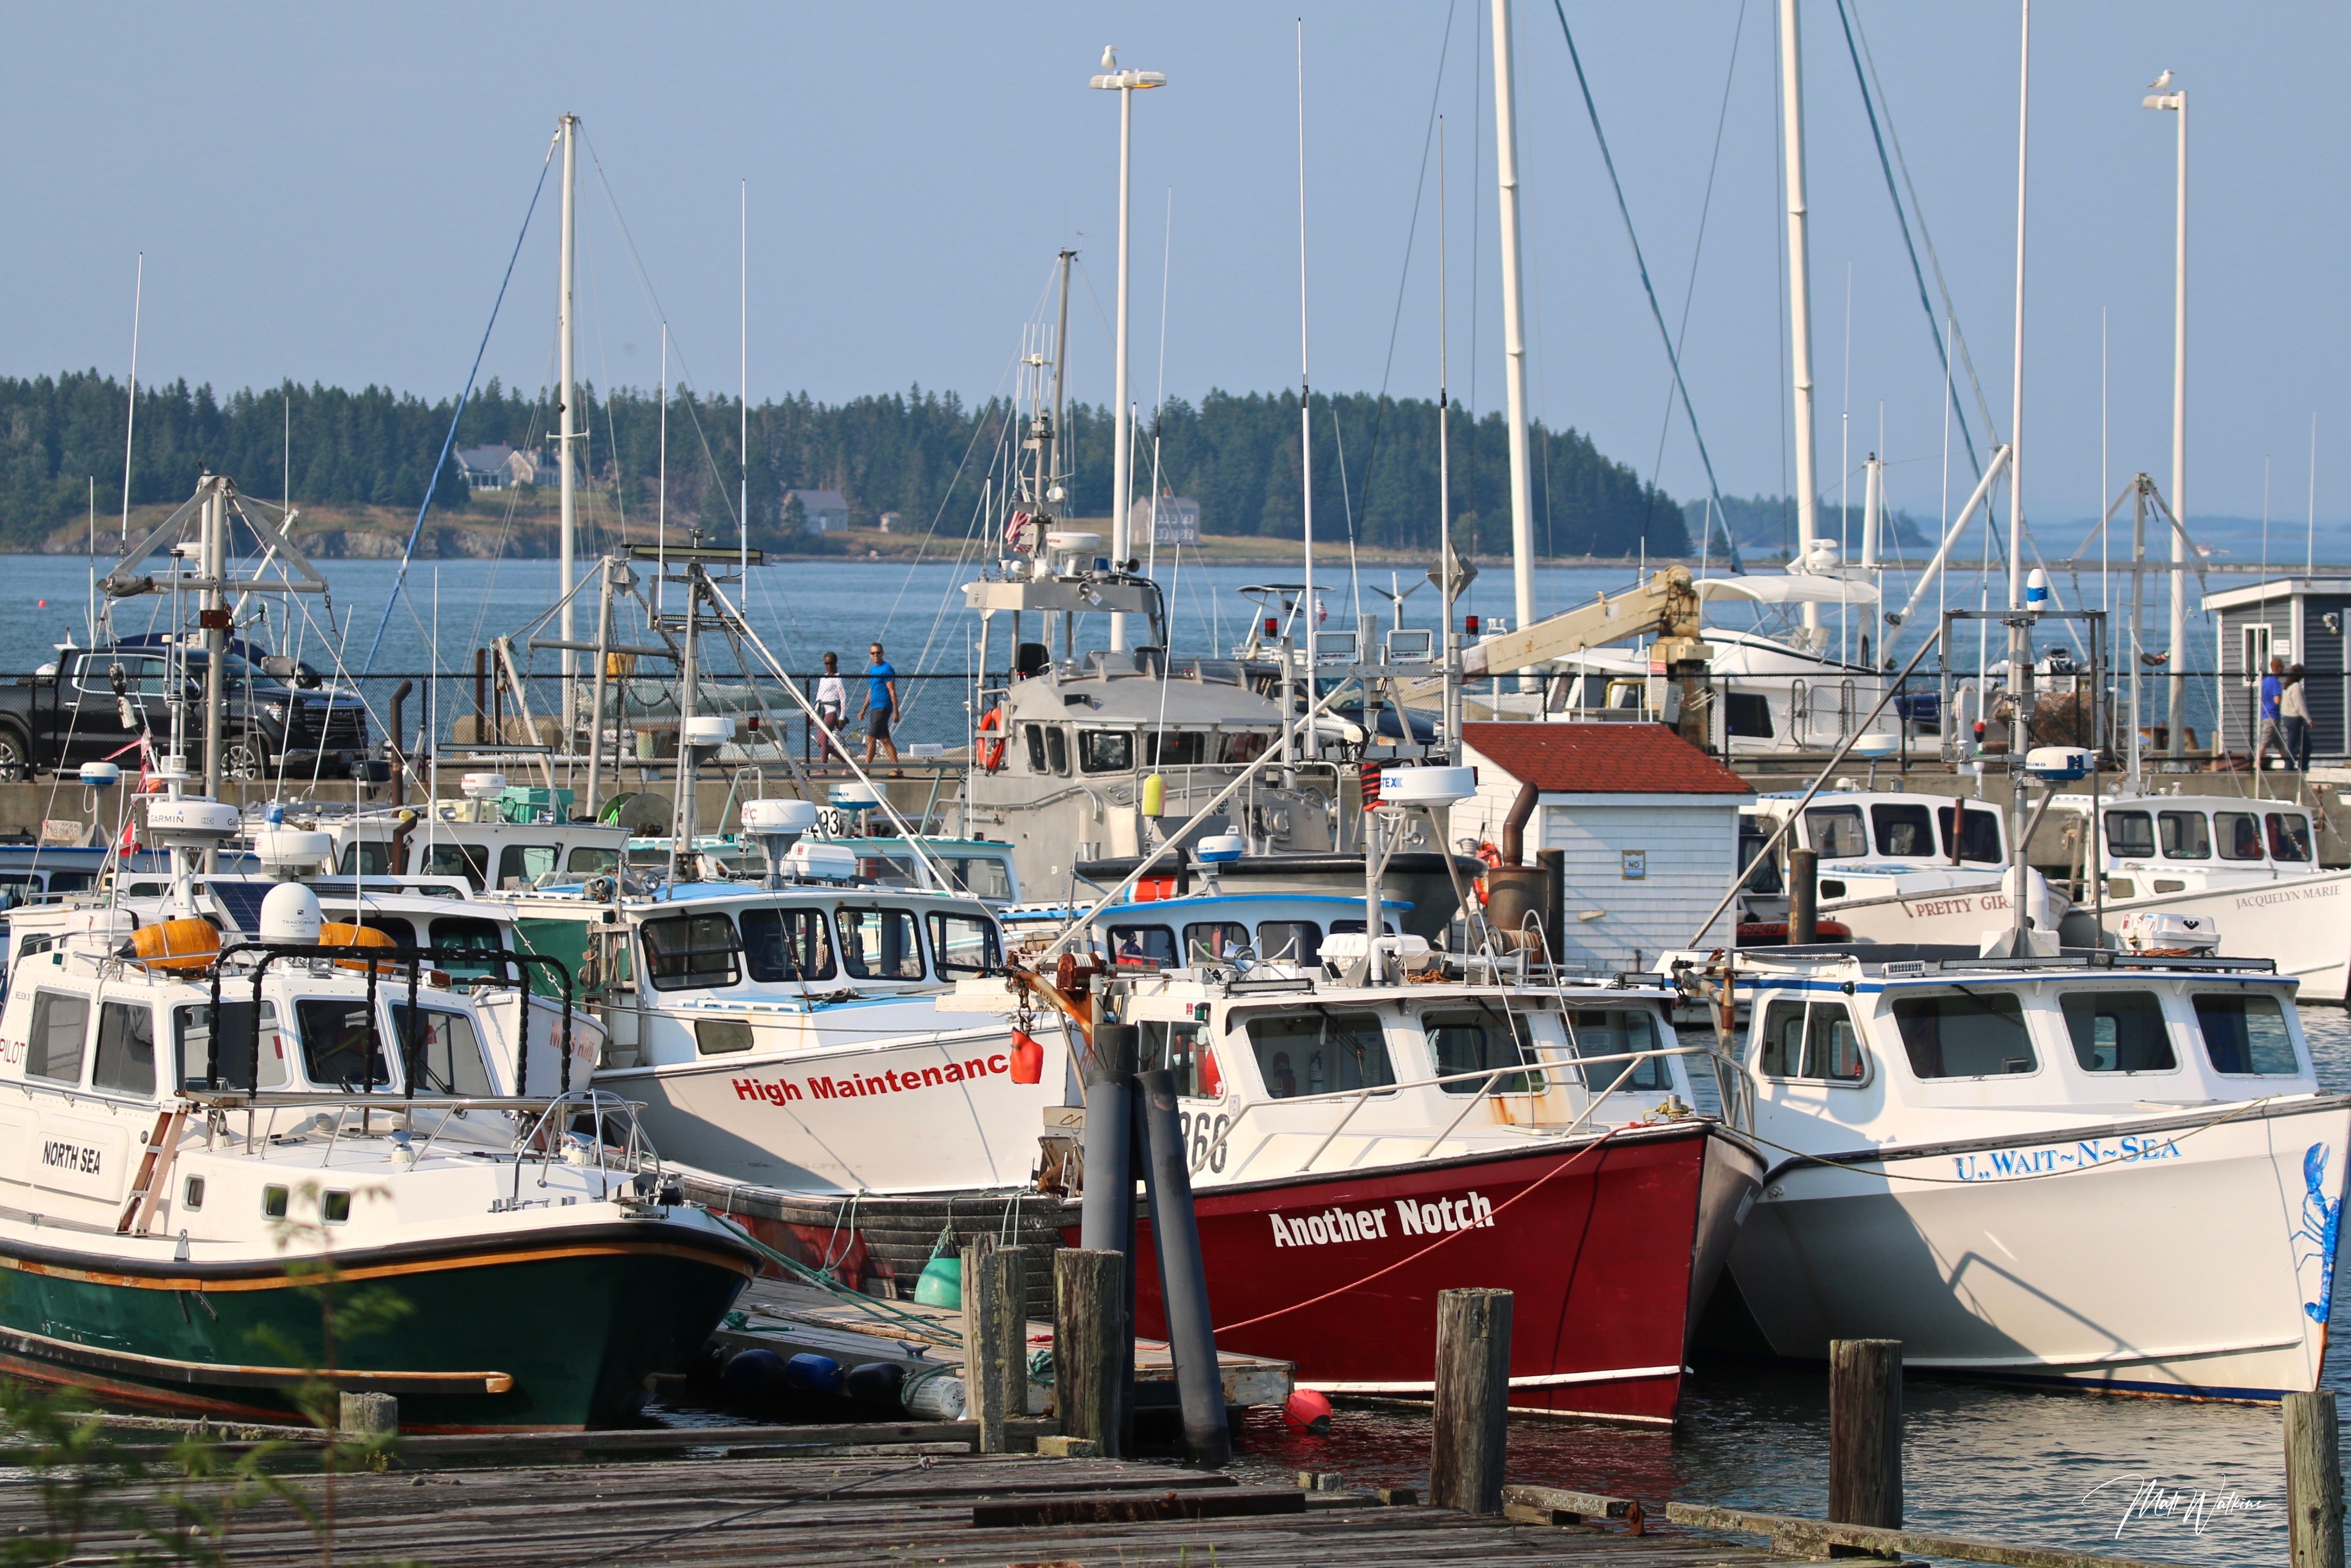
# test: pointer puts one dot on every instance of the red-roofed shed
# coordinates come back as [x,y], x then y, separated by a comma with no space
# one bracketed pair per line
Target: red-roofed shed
[1648,825]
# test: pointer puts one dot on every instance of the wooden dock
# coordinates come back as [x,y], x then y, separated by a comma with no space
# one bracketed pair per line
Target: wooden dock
[885,1506]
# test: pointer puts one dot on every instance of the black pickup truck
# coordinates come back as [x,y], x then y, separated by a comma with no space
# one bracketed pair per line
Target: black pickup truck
[93,702]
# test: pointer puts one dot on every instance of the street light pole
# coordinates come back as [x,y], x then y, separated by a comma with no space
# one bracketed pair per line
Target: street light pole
[2175,100]
[1124,83]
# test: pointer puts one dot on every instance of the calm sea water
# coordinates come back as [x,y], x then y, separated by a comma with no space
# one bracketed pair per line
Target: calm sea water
[801,609]
[2053,1468]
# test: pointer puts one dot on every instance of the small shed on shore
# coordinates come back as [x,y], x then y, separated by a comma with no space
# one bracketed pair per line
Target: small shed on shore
[1648,825]
[2301,621]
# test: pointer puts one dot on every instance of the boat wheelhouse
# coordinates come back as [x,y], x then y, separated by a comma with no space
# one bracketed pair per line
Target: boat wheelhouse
[2105,1171]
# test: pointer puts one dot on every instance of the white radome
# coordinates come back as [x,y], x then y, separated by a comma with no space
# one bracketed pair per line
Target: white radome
[289,913]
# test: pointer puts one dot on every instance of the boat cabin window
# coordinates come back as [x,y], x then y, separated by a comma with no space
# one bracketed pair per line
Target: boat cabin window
[1475,1039]
[341,1049]
[1214,941]
[686,952]
[32,945]
[1057,749]
[2246,1034]
[1106,750]
[1288,941]
[1762,871]
[1954,1034]
[2130,834]
[1176,748]
[60,1022]
[785,946]
[1183,1050]
[1319,1052]
[2118,1031]
[126,1049]
[963,944]
[881,944]
[72,881]
[1143,947]
[471,861]
[237,1046]
[1618,1032]
[1834,832]
[585,862]
[1033,737]
[1904,829]
[1242,746]
[1976,839]
[473,934]
[981,875]
[1340,927]
[1816,1042]
[520,865]
[367,858]
[1749,714]
[2187,836]
[401,931]
[445,1057]
[2289,835]
[718,1037]
[2240,834]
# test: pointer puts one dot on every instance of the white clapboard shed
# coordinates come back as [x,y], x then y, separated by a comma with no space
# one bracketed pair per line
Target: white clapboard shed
[1648,823]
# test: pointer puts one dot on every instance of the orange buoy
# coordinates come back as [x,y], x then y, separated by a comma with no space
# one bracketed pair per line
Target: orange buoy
[339,934]
[1028,1058]
[1309,1411]
[991,752]
[178,944]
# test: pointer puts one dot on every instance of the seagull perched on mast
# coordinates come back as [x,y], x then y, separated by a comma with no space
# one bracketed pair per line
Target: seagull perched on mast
[2161,83]
[1110,59]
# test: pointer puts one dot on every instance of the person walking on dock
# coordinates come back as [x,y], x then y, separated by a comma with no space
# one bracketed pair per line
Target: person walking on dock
[2269,733]
[880,706]
[832,708]
[2294,710]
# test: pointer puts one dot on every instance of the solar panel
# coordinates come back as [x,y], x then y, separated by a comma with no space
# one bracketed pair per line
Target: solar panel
[240,903]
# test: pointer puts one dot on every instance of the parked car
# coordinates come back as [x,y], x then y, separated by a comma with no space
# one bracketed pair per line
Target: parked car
[277,715]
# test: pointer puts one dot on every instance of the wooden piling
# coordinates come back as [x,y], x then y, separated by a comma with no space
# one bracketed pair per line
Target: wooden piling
[1865,1435]
[1473,1395]
[984,1315]
[369,1413]
[1090,1337]
[1803,896]
[2314,1480]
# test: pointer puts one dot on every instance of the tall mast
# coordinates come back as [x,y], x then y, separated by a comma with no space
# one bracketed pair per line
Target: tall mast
[1305,395]
[1514,339]
[1061,371]
[569,425]
[1451,650]
[1800,288]
[2016,370]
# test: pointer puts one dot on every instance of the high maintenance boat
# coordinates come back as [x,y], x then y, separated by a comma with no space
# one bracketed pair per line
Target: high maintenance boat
[2101,1170]
[199,1132]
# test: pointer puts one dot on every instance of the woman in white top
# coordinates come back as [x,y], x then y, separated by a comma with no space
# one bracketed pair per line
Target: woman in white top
[832,702]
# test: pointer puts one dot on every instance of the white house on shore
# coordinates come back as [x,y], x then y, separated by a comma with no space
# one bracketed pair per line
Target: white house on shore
[1648,825]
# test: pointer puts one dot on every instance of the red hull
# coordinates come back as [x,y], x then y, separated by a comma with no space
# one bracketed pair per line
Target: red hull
[1610,1246]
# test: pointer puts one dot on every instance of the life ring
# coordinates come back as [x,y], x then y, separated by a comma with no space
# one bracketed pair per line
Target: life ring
[991,752]
[1492,856]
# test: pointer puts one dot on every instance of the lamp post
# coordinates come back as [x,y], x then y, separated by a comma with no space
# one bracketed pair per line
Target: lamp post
[1124,83]
[2175,98]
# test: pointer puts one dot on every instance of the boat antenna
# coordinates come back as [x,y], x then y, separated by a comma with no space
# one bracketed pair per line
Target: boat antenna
[131,418]
[1514,337]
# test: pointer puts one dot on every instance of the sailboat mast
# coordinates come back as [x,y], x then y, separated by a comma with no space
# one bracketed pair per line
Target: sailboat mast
[1514,339]
[1800,290]
[1305,395]
[1445,587]
[569,423]
[1061,371]
[2016,383]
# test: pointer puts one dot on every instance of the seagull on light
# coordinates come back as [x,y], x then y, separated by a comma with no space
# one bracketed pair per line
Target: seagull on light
[2160,84]
[1110,61]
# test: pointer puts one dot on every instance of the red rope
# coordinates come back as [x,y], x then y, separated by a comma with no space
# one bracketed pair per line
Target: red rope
[1559,1170]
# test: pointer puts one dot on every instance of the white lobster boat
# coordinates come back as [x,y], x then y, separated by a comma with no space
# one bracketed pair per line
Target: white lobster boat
[2102,1170]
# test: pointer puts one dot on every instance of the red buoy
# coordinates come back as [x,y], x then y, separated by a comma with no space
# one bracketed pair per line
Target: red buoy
[1309,1412]
[1028,1058]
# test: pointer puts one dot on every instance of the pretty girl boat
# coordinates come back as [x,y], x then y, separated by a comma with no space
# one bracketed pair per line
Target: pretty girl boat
[197,1134]
[2104,1170]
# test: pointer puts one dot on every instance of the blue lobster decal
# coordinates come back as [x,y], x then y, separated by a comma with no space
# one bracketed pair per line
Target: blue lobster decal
[2322,1222]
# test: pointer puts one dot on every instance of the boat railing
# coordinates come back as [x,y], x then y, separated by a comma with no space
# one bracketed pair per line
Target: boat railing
[1356,1099]
[544,1124]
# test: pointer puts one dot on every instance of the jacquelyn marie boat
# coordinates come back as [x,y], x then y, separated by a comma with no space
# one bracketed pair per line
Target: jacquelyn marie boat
[2106,1170]
[194,1135]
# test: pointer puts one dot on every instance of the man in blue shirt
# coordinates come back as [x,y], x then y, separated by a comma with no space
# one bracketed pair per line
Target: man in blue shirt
[2272,733]
[881,704]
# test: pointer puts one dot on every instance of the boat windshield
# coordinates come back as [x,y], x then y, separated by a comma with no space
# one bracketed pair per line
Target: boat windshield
[341,1050]
[1474,1039]
[2245,1032]
[1836,832]
[1319,1052]
[445,1057]
[2187,836]
[1618,1032]
[1903,828]
[1959,1034]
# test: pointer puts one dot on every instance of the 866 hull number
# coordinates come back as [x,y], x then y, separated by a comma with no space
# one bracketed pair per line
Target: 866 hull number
[1204,1136]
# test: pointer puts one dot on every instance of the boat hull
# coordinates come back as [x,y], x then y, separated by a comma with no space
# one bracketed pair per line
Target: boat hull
[2191,1256]
[548,1332]
[1609,1245]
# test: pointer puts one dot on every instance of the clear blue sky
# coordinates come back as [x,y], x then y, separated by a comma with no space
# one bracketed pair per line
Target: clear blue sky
[329,192]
